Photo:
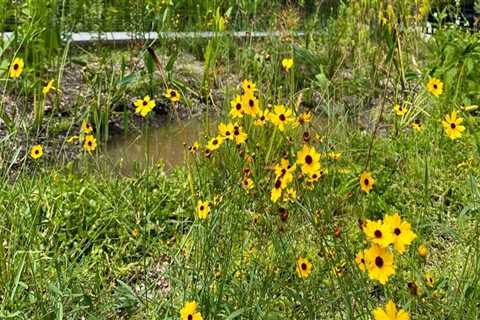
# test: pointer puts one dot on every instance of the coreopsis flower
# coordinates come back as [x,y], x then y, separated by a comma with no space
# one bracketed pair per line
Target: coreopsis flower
[304,118]
[303,267]
[399,110]
[194,147]
[379,233]
[250,104]
[313,177]
[390,313]
[202,209]
[285,171]
[418,125]
[262,117]
[215,143]
[366,182]
[360,260]
[48,87]
[452,126]
[86,127]
[429,280]
[190,312]
[277,189]
[334,156]
[309,160]
[144,106]
[435,87]
[402,232]
[16,68]
[236,110]
[172,94]
[239,135]
[248,87]
[36,151]
[247,184]
[226,130]
[287,64]
[90,143]
[281,117]
[379,263]
[422,250]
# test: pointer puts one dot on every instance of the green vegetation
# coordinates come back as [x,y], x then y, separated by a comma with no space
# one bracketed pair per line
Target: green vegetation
[288,204]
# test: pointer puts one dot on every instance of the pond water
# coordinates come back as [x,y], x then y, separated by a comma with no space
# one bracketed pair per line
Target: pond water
[165,145]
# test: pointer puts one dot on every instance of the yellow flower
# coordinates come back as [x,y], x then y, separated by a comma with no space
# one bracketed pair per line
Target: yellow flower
[87,127]
[48,87]
[215,143]
[194,147]
[452,126]
[305,118]
[281,117]
[417,125]
[239,135]
[390,313]
[366,182]
[248,87]
[236,105]
[16,68]
[435,87]
[315,176]
[90,143]
[189,312]
[250,104]
[429,280]
[304,267]
[360,260]
[291,194]
[285,171]
[248,184]
[172,94]
[36,151]
[399,110]
[276,190]
[402,232]
[202,209]
[379,263]
[287,63]
[422,250]
[379,233]
[309,160]
[335,156]
[144,106]
[262,117]
[226,130]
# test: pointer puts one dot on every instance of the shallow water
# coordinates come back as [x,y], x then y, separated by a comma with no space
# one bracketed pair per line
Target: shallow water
[165,145]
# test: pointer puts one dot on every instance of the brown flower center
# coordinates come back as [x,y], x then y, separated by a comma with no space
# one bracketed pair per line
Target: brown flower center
[238,106]
[453,125]
[145,102]
[251,103]
[308,159]
[282,117]
[15,66]
[37,151]
[379,262]
[435,86]
[378,234]
[366,182]
[89,143]
[397,231]
[190,317]
[227,133]
[304,266]
[278,184]
[173,94]
[202,208]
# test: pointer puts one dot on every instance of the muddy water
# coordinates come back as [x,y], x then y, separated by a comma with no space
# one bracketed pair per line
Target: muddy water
[164,145]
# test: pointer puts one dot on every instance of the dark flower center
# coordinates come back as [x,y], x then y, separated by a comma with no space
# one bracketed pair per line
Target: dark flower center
[202,208]
[362,261]
[314,176]
[282,117]
[251,103]
[215,142]
[308,159]
[378,234]
[435,86]
[173,94]
[89,143]
[15,66]
[227,133]
[397,231]
[284,171]
[238,106]
[37,151]
[190,317]
[453,125]
[262,118]
[236,132]
[417,121]
[278,183]
[304,266]
[366,182]
[379,262]
[145,102]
